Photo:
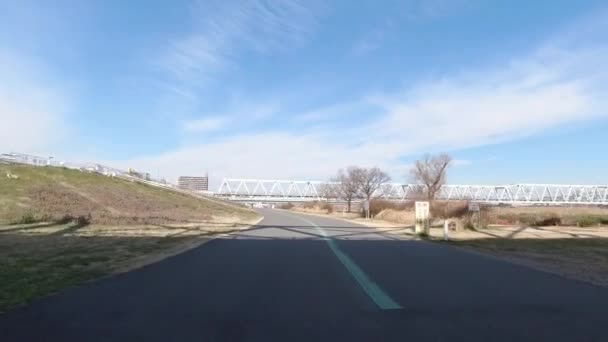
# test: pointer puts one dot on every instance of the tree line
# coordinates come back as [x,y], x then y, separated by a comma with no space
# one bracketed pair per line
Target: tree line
[358,183]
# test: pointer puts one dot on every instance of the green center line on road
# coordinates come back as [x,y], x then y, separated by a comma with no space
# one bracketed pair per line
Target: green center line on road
[378,296]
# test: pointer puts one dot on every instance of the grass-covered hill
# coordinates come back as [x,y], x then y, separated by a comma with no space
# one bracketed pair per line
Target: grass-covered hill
[52,193]
[60,227]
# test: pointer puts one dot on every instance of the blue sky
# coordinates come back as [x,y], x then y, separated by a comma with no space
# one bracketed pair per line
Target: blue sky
[515,91]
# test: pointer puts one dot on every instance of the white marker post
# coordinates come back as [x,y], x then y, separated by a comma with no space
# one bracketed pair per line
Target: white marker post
[446,229]
[422,216]
[366,208]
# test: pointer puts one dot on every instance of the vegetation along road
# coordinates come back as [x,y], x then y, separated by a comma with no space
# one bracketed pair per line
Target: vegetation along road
[300,277]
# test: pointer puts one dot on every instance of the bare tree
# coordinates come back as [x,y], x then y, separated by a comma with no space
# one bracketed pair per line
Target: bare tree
[430,173]
[329,191]
[347,187]
[370,180]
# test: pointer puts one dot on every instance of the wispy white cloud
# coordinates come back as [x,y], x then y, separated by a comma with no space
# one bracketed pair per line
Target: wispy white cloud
[402,13]
[237,114]
[264,155]
[32,108]
[255,112]
[432,9]
[523,98]
[223,30]
[461,162]
[203,125]
[330,112]
[373,39]
[550,87]
[468,162]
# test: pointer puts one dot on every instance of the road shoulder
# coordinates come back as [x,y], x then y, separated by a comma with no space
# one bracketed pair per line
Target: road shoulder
[583,258]
[39,260]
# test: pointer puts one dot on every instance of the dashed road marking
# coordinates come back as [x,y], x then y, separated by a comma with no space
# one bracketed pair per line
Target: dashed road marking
[377,295]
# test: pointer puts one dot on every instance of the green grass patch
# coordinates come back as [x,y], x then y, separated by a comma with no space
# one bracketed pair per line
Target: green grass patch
[35,266]
[591,220]
[566,246]
[25,278]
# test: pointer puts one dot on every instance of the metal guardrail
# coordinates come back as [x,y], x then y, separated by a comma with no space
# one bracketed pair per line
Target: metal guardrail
[27,159]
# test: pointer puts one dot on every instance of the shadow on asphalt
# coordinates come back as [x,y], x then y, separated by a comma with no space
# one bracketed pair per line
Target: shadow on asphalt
[289,232]
[283,283]
[38,262]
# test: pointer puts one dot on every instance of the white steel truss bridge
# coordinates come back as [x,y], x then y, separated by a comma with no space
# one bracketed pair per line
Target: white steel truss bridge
[258,190]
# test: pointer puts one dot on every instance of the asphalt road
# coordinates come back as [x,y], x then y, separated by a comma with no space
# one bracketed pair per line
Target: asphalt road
[305,278]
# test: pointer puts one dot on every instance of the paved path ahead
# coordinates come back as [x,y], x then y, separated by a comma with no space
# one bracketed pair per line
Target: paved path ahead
[304,278]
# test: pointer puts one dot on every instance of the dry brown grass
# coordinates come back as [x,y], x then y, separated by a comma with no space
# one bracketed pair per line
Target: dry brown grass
[405,217]
[313,207]
[537,215]
[575,252]
[584,259]
[77,226]
[561,211]
[49,194]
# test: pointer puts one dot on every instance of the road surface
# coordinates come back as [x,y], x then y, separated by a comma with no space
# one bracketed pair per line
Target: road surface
[305,278]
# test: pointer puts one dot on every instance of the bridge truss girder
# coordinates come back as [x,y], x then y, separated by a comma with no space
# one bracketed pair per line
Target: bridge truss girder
[248,190]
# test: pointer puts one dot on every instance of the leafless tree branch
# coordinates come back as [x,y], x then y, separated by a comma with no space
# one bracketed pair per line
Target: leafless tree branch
[430,173]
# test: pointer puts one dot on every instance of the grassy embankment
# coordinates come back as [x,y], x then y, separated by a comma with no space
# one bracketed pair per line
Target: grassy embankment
[60,227]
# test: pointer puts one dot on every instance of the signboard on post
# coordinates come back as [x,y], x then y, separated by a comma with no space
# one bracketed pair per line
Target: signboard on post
[474,206]
[422,216]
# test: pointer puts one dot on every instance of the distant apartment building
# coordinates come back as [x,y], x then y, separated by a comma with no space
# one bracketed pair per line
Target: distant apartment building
[193,183]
